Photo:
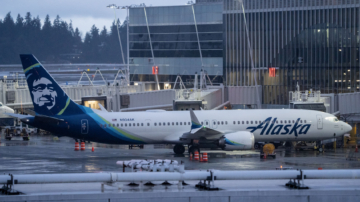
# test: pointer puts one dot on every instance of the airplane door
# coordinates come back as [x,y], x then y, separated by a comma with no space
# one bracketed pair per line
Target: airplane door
[214,124]
[84,126]
[319,120]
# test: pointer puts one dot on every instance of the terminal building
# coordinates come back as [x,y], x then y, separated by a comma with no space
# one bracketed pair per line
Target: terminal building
[176,40]
[311,43]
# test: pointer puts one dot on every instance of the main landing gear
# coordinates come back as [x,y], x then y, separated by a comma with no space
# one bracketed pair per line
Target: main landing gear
[179,149]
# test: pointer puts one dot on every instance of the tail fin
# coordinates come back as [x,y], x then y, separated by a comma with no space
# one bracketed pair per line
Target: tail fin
[47,96]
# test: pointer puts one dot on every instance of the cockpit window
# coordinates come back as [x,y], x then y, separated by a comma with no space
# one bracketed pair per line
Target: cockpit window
[335,119]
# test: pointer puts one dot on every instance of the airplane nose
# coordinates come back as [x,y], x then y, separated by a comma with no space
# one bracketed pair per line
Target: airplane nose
[347,128]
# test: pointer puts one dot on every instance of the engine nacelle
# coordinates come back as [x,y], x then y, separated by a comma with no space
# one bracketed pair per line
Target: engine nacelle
[241,140]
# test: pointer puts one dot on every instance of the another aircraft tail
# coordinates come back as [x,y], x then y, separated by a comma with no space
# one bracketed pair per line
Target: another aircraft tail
[47,96]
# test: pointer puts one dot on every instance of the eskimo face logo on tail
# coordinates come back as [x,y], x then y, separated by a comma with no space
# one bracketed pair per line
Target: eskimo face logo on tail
[267,127]
[44,93]
[48,98]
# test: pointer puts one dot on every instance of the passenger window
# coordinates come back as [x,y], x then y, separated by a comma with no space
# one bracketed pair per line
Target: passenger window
[214,123]
[117,125]
[148,124]
[101,125]
[177,123]
[164,124]
[155,124]
[289,121]
[184,123]
[138,124]
[189,123]
[180,123]
[304,121]
[247,122]
[300,121]
[160,124]
[243,122]
[172,123]
[234,122]
[133,124]
[255,122]
[218,123]
[293,121]
[280,121]
[222,122]
[251,122]
[207,123]
[129,124]
[202,123]
[113,124]
[109,125]
[239,122]
[277,122]
[285,121]
[142,124]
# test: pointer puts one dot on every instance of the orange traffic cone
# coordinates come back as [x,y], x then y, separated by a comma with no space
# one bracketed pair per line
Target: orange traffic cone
[92,149]
[191,157]
[201,157]
[77,146]
[82,146]
[356,149]
[196,156]
[205,157]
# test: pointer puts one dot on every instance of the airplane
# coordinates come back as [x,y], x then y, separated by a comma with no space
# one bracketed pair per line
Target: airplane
[5,120]
[225,129]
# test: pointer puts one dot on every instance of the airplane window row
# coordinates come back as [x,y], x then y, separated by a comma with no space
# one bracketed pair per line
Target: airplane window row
[277,122]
[202,123]
[142,124]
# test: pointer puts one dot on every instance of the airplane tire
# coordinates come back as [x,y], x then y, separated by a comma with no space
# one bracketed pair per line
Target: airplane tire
[193,148]
[179,149]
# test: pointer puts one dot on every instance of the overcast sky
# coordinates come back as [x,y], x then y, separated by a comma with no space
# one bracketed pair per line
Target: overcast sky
[83,13]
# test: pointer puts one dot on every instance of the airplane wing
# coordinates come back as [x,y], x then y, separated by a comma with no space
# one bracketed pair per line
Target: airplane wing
[198,130]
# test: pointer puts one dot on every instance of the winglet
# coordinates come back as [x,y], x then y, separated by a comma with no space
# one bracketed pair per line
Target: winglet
[102,108]
[195,123]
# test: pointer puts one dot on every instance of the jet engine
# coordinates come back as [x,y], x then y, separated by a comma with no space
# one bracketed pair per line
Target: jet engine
[241,140]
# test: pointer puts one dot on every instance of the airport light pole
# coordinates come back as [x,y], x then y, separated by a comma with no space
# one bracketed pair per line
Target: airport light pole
[113,6]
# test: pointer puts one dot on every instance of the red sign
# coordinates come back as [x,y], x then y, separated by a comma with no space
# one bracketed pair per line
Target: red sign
[272,71]
[155,70]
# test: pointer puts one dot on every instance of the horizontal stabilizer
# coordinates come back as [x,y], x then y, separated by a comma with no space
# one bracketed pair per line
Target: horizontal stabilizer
[47,119]
[20,116]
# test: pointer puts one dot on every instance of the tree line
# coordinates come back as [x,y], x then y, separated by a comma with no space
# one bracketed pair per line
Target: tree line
[58,42]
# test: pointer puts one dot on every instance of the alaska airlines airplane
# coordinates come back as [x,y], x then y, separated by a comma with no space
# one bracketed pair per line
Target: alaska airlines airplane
[227,129]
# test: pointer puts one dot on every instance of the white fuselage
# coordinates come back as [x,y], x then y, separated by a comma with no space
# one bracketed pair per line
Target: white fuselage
[266,125]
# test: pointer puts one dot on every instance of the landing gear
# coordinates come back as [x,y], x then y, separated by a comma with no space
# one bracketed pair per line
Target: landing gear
[179,149]
[194,148]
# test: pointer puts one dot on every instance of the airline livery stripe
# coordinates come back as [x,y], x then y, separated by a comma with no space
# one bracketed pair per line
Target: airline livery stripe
[67,104]
[32,66]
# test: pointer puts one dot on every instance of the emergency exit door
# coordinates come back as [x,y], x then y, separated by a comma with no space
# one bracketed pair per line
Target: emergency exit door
[319,121]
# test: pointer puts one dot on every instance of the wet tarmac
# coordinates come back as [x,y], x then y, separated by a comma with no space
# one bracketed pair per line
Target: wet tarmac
[44,154]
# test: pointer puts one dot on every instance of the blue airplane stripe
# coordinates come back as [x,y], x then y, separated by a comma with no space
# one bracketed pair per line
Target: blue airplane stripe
[110,130]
